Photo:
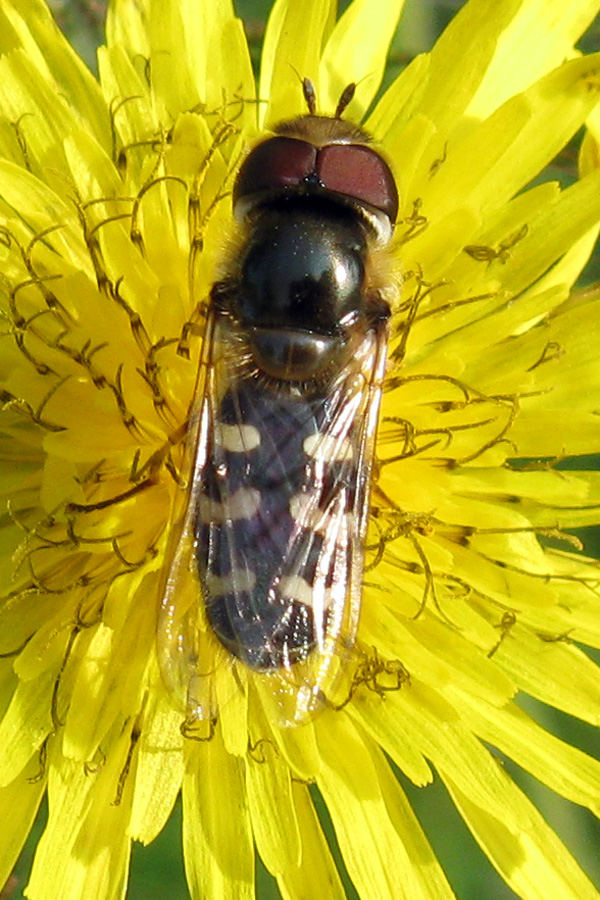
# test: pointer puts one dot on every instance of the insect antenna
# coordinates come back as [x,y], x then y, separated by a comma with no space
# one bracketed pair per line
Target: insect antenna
[345,99]
[310,97]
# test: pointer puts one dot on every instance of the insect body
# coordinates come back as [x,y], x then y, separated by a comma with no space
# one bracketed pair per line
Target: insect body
[294,356]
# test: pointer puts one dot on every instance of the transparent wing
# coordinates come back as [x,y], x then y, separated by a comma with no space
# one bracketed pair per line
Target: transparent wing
[273,532]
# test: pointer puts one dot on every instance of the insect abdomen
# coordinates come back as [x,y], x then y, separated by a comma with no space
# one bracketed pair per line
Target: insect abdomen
[260,596]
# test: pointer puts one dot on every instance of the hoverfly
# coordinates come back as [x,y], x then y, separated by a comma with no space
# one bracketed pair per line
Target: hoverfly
[268,561]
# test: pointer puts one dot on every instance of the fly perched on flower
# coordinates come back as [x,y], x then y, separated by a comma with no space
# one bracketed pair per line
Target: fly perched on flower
[293,365]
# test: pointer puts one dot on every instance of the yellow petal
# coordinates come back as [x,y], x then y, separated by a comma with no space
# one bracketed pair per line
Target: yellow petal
[291,51]
[317,875]
[554,671]
[522,847]
[499,156]
[269,789]
[519,61]
[217,838]
[565,769]
[32,27]
[26,724]
[85,848]
[20,799]
[126,26]
[356,51]
[460,60]
[378,837]
[159,770]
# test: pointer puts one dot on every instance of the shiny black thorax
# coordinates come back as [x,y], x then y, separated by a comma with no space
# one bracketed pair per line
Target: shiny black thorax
[299,297]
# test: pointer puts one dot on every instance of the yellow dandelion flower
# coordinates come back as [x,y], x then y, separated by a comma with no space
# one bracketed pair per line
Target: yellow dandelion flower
[115,217]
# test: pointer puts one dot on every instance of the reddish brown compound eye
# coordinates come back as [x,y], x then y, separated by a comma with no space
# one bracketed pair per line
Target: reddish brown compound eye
[277,163]
[355,171]
[361,173]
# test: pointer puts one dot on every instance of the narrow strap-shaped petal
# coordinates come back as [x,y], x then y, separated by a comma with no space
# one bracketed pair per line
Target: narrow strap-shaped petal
[530,857]
[356,52]
[217,836]
[292,46]
[378,837]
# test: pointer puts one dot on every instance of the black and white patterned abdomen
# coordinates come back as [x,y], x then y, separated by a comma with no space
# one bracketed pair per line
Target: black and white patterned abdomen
[271,479]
